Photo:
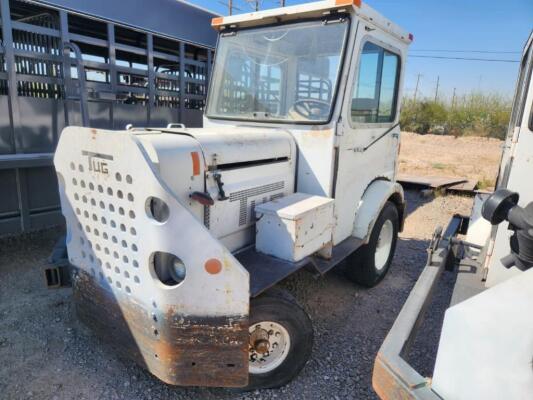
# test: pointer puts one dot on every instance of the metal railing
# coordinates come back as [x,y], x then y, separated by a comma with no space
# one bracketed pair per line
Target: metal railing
[41,92]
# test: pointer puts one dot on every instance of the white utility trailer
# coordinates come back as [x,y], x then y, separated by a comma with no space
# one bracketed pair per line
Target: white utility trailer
[176,235]
[486,344]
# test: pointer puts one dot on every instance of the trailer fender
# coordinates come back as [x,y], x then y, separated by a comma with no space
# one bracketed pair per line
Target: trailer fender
[371,204]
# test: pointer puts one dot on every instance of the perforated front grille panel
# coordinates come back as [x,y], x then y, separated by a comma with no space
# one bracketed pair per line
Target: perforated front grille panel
[106,227]
[120,213]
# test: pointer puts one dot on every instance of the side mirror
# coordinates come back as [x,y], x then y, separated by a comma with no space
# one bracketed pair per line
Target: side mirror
[501,206]
[496,208]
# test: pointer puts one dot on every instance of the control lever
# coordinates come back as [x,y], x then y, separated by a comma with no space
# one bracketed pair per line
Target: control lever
[218,179]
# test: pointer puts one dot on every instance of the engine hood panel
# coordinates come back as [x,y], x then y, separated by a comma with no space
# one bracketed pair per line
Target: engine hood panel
[222,145]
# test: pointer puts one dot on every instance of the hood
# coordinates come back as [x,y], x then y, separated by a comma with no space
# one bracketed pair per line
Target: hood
[230,145]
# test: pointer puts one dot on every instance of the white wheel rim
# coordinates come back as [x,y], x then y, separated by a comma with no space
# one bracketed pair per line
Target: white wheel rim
[384,245]
[279,344]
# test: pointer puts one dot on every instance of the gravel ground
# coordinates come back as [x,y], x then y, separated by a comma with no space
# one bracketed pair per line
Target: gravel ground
[46,353]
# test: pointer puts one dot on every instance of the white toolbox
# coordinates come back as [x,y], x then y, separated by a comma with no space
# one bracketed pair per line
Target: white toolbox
[294,227]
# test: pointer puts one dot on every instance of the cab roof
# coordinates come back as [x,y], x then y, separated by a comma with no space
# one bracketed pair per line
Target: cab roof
[311,10]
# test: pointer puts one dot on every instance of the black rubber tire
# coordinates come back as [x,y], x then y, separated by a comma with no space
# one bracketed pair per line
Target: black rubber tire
[360,266]
[279,306]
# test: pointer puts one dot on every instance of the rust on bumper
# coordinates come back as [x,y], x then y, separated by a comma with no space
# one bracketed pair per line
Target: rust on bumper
[177,349]
[388,386]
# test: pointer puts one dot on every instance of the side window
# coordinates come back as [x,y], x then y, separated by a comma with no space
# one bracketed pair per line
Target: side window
[376,91]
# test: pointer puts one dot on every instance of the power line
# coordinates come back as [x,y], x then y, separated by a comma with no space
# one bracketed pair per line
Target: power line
[255,4]
[466,58]
[467,51]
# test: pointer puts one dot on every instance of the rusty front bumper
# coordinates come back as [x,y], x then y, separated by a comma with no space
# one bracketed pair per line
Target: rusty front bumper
[393,378]
[177,349]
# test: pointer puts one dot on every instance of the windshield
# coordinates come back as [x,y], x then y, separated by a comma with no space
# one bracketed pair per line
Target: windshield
[285,73]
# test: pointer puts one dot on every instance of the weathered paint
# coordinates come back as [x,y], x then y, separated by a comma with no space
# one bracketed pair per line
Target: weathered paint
[191,333]
[387,385]
[178,349]
[294,227]
[371,204]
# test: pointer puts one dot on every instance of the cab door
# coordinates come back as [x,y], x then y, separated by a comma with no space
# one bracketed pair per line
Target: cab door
[369,127]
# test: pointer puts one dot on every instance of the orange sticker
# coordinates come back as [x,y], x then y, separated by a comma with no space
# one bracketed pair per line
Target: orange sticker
[213,266]
[195,163]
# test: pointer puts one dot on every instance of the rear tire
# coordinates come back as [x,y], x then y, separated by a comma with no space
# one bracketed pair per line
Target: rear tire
[276,318]
[369,264]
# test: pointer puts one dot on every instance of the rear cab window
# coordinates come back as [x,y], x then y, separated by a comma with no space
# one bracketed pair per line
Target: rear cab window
[375,94]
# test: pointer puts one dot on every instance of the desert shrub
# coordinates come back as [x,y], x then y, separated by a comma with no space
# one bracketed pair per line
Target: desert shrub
[423,116]
[475,114]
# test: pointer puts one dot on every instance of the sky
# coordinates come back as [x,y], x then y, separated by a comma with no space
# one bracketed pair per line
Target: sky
[450,28]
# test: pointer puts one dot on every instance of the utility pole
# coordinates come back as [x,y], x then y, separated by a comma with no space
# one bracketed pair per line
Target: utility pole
[229,4]
[453,98]
[416,88]
[255,3]
[437,89]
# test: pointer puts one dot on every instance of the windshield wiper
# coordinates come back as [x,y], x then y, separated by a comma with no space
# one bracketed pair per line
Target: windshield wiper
[232,32]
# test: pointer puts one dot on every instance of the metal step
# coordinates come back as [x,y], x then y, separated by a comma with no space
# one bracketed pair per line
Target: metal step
[339,254]
[266,271]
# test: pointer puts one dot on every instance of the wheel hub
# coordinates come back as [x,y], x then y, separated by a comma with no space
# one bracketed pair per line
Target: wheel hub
[384,245]
[259,341]
[269,346]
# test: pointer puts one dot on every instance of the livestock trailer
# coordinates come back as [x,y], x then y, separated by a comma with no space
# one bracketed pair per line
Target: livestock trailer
[146,63]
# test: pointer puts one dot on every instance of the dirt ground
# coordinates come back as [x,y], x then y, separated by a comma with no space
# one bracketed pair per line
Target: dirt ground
[439,155]
[47,354]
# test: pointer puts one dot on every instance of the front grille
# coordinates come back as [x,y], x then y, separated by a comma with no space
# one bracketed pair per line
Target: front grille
[106,227]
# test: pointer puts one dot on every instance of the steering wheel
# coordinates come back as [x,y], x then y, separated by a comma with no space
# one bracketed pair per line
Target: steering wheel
[312,109]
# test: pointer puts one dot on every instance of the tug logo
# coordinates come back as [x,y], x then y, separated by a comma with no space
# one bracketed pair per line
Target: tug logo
[97,161]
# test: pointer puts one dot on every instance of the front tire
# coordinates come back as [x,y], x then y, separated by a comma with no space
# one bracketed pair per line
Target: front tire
[369,264]
[281,340]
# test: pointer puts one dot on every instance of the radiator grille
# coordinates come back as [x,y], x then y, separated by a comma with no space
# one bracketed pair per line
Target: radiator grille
[243,195]
[207,216]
